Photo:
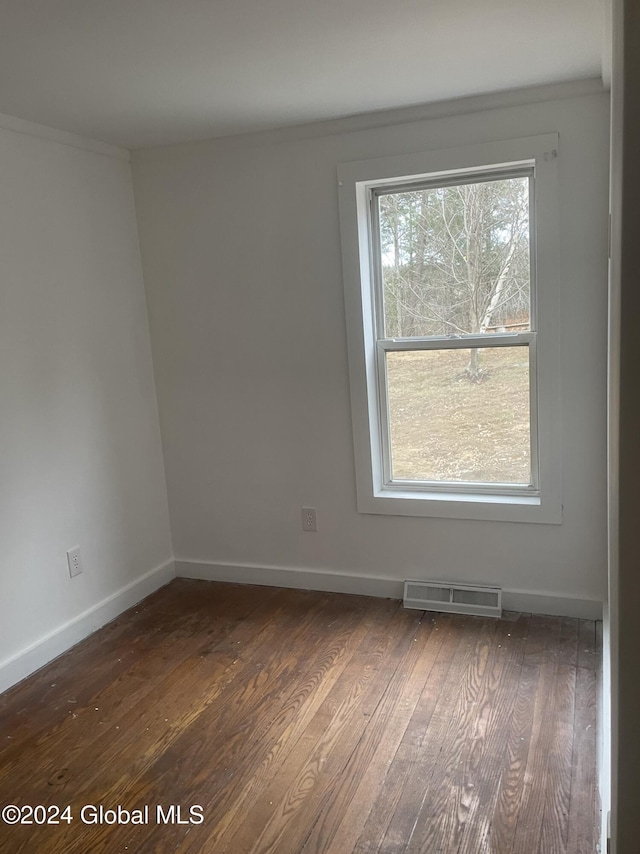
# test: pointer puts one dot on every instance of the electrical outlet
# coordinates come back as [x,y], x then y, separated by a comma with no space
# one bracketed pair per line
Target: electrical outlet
[309,519]
[74,559]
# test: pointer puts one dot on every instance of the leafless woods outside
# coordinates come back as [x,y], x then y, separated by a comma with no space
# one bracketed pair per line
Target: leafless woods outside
[455,260]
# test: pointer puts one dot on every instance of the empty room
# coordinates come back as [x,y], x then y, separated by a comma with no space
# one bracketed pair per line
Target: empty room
[319,426]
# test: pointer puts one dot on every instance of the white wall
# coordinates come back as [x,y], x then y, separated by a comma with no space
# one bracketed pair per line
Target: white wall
[80,452]
[241,252]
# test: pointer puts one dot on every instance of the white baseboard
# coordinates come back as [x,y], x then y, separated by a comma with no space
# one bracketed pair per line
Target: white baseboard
[299,579]
[547,603]
[391,588]
[35,656]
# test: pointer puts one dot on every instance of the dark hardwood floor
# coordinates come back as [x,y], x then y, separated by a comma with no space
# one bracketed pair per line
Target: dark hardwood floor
[288,721]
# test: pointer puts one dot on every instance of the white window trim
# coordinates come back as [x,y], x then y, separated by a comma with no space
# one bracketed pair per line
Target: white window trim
[355,180]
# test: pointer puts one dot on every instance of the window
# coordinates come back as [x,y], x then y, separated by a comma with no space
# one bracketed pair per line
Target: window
[451,294]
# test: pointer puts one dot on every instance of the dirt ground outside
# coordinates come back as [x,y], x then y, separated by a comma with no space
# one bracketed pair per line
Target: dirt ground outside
[446,427]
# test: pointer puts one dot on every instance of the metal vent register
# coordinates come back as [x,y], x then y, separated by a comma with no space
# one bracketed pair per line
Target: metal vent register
[453,598]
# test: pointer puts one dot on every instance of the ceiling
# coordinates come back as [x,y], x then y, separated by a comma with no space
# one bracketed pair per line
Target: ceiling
[138,73]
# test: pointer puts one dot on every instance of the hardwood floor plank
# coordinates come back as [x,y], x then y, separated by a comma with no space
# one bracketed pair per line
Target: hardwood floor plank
[251,731]
[487,750]
[408,758]
[416,789]
[144,727]
[583,831]
[558,773]
[291,723]
[511,777]
[213,686]
[339,822]
[569,642]
[80,726]
[587,648]
[450,733]
[80,674]
[280,819]
[451,817]
[310,723]
[533,796]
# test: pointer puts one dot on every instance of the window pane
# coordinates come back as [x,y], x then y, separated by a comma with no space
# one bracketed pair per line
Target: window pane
[455,260]
[460,415]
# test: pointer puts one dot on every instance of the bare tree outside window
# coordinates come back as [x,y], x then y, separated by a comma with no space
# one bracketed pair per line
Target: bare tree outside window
[455,261]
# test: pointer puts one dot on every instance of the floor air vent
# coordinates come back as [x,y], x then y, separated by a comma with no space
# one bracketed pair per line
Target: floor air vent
[453,598]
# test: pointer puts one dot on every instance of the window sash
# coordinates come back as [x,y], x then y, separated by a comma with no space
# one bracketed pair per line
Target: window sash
[456,178]
[458,342]
[384,346]
[526,170]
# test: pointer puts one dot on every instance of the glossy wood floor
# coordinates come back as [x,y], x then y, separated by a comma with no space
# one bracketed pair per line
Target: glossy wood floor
[307,722]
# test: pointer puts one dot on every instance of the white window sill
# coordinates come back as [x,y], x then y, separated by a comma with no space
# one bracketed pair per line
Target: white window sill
[457,505]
